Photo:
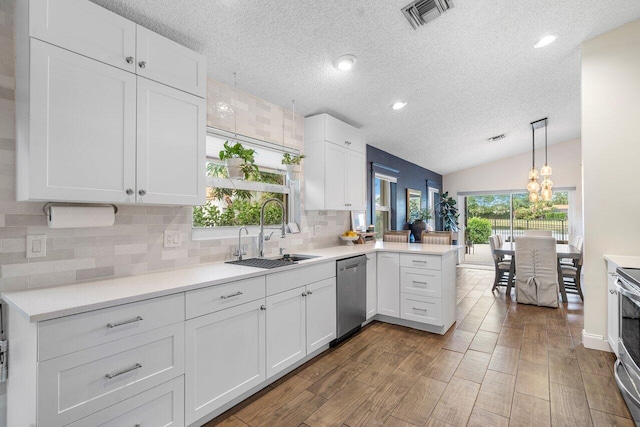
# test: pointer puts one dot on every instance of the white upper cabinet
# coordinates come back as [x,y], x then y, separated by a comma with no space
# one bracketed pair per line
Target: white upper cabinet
[171,151]
[85,28]
[106,110]
[165,61]
[83,129]
[335,175]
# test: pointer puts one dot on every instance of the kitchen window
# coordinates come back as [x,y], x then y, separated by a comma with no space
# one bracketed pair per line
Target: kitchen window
[383,203]
[232,203]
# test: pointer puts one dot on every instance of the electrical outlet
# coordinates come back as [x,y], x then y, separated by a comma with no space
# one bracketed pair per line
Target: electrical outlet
[316,230]
[36,246]
[172,239]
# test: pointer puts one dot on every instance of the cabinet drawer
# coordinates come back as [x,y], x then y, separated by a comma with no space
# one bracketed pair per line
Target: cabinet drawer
[169,63]
[280,282]
[431,262]
[66,335]
[215,298]
[161,406]
[79,384]
[85,28]
[421,309]
[420,281]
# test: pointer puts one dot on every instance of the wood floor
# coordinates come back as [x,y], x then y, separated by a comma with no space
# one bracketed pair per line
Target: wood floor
[501,364]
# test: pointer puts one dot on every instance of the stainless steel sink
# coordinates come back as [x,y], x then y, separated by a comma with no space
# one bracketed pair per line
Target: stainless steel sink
[269,263]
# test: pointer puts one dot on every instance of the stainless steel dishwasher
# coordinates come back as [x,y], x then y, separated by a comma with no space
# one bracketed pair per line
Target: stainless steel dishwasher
[351,294]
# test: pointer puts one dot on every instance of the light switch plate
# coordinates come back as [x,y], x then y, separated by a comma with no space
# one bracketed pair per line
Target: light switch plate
[36,245]
[172,239]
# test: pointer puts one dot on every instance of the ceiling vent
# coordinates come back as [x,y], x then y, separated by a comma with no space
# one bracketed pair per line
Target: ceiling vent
[422,12]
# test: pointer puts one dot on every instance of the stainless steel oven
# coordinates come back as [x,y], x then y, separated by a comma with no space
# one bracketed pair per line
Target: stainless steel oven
[627,371]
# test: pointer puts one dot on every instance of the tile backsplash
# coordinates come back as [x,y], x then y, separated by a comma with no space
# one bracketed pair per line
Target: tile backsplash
[134,244]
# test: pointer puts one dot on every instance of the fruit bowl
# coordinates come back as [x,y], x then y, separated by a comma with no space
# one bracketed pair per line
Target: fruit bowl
[348,240]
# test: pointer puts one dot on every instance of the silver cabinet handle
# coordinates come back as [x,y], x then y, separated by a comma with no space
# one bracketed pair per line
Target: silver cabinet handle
[142,64]
[418,261]
[420,309]
[124,371]
[309,293]
[263,308]
[419,283]
[129,59]
[125,322]
[612,291]
[129,191]
[231,295]
[304,294]
[142,192]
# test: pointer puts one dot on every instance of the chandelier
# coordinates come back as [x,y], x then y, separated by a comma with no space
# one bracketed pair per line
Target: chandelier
[544,189]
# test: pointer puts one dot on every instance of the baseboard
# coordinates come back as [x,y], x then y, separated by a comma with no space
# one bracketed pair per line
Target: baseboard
[596,342]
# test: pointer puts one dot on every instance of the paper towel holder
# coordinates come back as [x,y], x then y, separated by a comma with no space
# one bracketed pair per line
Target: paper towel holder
[47,211]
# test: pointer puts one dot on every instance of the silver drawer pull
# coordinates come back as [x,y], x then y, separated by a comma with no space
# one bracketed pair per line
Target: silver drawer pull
[231,295]
[421,262]
[420,309]
[133,368]
[419,283]
[126,322]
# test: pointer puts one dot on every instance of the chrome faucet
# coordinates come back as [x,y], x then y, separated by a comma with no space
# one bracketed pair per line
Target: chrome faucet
[240,252]
[261,236]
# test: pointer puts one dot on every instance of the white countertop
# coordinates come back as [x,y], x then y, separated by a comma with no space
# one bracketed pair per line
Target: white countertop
[624,261]
[49,303]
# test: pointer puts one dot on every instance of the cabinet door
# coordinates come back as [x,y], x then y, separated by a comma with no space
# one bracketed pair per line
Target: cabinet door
[171,145]
[355,183]
[372,292]
[335,176]
[85,28]
[388,284]
[286,330]
[82,132]
[167,62]
[225,357]
[321,313]
[613,309]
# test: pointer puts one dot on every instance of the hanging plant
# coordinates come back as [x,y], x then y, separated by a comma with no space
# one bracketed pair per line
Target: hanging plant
[240,161]
[293,164]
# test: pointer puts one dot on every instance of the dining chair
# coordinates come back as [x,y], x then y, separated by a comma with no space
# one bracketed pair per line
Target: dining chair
[537,267]
[397,236]
[502,267]
[436,237]
[578,243]
[571,277]
[537,233]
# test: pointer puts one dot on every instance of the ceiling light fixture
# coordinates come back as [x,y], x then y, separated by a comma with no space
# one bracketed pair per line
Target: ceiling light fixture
[545,41]
[546,192]
[398,105]
[533,187]
[345,62]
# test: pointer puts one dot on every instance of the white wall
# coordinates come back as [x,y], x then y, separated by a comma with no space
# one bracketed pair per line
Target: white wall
[611,156]
[511,174]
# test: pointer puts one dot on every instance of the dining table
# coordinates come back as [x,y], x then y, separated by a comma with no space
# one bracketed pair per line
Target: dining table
[563,250]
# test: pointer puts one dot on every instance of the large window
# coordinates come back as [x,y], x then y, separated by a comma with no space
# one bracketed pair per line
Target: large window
[233,203]
[383,203]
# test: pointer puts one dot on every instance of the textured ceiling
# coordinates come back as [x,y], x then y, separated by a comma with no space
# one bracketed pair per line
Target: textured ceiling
[471,74]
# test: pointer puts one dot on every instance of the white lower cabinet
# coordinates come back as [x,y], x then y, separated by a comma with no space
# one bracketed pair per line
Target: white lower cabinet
[321,313]
[76,385]
[613,308]
[162,406]
[286,329]
[388,284]
[225,357]
[372,288]
[421,309]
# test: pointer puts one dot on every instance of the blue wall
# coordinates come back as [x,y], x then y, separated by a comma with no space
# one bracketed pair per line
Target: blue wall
[409,175]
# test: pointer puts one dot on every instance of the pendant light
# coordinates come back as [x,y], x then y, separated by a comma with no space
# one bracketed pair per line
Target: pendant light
[533,187]
[546,193]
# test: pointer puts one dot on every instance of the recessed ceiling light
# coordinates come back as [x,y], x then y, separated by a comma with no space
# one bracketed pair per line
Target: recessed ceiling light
[345,62]
[398,105]
[545,41]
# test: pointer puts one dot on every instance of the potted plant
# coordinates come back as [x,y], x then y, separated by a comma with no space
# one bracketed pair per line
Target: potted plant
[240,161]
[449,213]
[419,217]
[293,164]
